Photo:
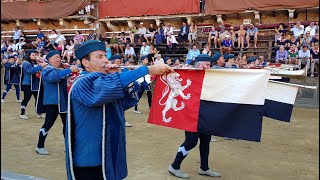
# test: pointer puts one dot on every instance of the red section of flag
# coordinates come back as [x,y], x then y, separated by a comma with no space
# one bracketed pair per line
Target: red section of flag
[70,80]
[176,100]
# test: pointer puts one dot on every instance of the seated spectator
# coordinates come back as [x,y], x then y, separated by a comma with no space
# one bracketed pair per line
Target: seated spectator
[132,34]
[158,59]
[92,35]
[280,42]
[108,50]
[306,40]
[145,50]
[213,34]
[3,46]
[311,28]
[192,36]
[41,45]
[293,40]
[60,47]
[293,54]
[282,55]
[232,35]
[150,33]
[69,51]
[262,61]
[76,44]
[11,46]
[194,52]
[60,37]
[241,36]
[40,35]
[114,43]
[183,33]
[222,34]
[315,39]
[226,45]
[153,52]
[79,37]
[51,39]
[22,41]
[304,56]
[297,29]
[252,34]
[161,30]
[172,42]
[122,41]
[129,53]
[280,30]
[168,29]
[141,32]
[314,57]
[206,50]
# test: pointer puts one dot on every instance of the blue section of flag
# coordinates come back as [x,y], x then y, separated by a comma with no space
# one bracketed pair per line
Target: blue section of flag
[238,121]
[277,110]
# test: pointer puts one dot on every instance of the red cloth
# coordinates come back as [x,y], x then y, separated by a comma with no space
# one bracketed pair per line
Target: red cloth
[187,118]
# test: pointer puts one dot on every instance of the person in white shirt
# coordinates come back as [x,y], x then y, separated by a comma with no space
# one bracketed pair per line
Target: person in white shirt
[60,37]
[16,34]
[129,53]
[12,46]
[145,50]
[304,56]
[311,28]
[297,29]
[168,29]
[172,42]
[158,59]
[141,32]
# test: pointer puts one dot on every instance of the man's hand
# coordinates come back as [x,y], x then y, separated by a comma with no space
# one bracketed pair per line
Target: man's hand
[74,68]
[159,69]
[112,68]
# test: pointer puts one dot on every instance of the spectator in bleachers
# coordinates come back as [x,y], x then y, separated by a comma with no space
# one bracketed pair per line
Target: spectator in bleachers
[150,33]
[262,61]
[22,41]
[183,33]
[129,53]
[158,59]
[213,35]
[59,47]
[69,51]
[41,45]
[16,34]
[145,49]
[172,42]
[40,35]
[3,46]
[281,42]
[315,39]
[79,37]
[114,43]
[92,35]
[293,40]
[141,32]
[206,50]
[153,52]
[51,39]
[241,36]
[76,44]
[304,56]
[122,41]
[11,46]
[194,52]
[232,35]
[281,29]
[192,36]
[282,55]
[60,37]
[222,34]
[306,39]
[297,29]
[168,29]
[314,57]
[293,54]
[133,33]
[252,34]
[226,45]
[108,50]
[311,28]
[161,30]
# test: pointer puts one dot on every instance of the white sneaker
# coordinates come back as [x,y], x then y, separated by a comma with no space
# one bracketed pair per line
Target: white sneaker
[209,173]
[18,101]
[42,151]
[137,112]
[312,75]
[2,100]
[178,173]
[127,124]
[24,117]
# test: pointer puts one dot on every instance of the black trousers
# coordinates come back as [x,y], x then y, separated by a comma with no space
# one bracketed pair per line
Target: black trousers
[88,173]
[149,94]
[27,94]
[52,112]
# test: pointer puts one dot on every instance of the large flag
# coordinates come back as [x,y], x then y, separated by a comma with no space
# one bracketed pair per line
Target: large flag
[279,102]
[220,102]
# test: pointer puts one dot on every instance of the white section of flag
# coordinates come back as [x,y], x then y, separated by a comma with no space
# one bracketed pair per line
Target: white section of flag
[281,93]
[241,86]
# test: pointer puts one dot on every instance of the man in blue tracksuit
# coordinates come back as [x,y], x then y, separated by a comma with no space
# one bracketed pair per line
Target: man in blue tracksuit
[30,83]
[55,96]
[95,130]
[11,76]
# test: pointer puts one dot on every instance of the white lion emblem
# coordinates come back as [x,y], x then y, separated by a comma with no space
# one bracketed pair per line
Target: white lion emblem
[173,83]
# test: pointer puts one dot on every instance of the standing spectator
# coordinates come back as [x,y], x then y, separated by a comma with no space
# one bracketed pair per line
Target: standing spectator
[192,54]
[213,34]
[241,36]
[222,34]
[141,32]
[311,28]
[129,53]
[60,37]
[16,34]
[168,29]
[78,37]
[307,39]
[297,29]
[145,49]
[226,45]
[114,43]
[252,34]
[282,55]
[92,35]
[171,42]
[150,33]
[314,57]
[183,33]
[192,36]
[304,56]
[132,34]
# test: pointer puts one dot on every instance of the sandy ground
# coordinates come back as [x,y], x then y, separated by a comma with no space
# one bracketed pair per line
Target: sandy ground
[287,151]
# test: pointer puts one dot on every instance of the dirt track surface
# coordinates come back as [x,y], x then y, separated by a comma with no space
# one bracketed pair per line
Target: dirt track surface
[287,151]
